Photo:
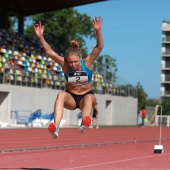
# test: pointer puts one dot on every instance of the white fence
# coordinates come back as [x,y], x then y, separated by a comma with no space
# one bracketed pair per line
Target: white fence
[165,120]
[157,120]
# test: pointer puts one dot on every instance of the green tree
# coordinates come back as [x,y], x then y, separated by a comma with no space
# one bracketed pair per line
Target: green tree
[106,65]
[142,96]
[130,90]
[62,26]
[152,102]
[165,105]
[13,21]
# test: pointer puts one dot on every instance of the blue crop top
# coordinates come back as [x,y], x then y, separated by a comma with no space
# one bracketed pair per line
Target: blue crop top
[78,78]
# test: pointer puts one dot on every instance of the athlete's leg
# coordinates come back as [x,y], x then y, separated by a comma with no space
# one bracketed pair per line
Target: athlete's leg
[63,100]
[86,105]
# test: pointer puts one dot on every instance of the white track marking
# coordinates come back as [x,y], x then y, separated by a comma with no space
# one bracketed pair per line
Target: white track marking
[123,160]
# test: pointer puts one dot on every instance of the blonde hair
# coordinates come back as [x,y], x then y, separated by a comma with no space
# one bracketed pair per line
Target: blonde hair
[74,49]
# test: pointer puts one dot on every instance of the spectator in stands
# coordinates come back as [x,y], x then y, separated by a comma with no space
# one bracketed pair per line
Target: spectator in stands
[8,65]
[78,74]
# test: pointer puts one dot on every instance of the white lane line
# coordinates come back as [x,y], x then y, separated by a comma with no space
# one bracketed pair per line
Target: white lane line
[123,160]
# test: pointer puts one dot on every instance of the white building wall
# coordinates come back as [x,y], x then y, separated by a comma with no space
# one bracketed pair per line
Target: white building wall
[113,110]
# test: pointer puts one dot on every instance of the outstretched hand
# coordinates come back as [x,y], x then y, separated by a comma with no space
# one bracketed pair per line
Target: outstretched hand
[97,23]
[39,29]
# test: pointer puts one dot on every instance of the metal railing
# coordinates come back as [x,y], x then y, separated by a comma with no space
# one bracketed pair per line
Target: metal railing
[40,82]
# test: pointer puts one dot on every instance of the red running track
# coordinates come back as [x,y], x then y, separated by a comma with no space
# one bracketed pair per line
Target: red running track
[97,149]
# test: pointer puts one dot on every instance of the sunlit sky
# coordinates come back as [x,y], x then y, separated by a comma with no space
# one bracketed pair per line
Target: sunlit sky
[132,34]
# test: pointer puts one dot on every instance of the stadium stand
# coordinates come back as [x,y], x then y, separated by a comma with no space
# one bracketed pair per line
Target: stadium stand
[23,63]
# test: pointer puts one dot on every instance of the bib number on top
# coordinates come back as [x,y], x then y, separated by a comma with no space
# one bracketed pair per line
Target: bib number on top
[78,78]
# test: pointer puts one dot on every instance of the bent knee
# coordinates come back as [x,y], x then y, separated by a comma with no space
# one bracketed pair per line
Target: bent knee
[89,98]
[62,94]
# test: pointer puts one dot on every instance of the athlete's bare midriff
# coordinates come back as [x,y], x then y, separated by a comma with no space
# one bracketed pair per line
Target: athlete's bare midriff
[78,90]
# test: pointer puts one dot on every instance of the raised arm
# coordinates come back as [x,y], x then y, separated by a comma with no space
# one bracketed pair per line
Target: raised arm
[97,24]
[39,30]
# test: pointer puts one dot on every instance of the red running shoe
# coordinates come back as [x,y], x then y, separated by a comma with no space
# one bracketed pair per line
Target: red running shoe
[87,121]
[53,130]
[52,127]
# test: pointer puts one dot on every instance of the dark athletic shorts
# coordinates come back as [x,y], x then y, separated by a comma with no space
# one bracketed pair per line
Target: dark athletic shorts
[77,98]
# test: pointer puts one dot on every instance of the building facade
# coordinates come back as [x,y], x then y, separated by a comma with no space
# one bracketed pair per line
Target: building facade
[165,62]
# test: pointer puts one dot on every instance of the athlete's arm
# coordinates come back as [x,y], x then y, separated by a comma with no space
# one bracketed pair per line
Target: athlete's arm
[97,23]
[39,30]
